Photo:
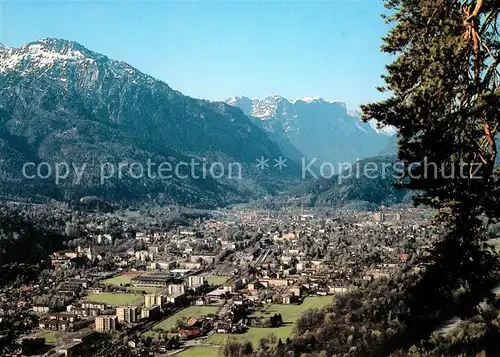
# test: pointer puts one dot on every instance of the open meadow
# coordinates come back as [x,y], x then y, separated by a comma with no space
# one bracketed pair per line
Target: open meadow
[289,313]
[171,322]
[126,279]
[119,280]
[199,352]
[115,299]
[51,337]
[216,280]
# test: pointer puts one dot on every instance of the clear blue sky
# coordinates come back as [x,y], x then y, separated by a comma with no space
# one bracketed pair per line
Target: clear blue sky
[215,50]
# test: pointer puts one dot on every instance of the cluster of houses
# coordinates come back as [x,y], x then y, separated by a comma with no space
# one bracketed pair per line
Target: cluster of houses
[268,258]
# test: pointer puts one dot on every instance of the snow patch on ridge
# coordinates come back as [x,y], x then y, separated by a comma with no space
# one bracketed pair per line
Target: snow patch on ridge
[38,54]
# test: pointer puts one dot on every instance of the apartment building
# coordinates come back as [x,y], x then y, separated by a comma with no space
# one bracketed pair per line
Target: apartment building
[153,300]
[176,289]
[150,313]
[195,281]
[106,323]
[127,314]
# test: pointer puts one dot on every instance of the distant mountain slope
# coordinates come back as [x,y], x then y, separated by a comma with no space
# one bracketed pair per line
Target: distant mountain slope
[62,102]
[317,128]
[371,185]
[370,182]
[392,148]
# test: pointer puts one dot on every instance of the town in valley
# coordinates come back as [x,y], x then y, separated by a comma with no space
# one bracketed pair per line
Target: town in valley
[184,281]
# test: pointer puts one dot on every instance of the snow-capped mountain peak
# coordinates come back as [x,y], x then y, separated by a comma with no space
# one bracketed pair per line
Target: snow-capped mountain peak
[43,53]
[62,59]
[270,107]
[316,100]
[315,126]
[244,103]
[388,130]
[309,100]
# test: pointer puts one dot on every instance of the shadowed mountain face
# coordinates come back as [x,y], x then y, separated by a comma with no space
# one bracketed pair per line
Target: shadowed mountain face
[316,128]
[60,102]
[353,188]
[392,148]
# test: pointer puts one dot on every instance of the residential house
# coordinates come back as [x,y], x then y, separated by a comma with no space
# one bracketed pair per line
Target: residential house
[40,309]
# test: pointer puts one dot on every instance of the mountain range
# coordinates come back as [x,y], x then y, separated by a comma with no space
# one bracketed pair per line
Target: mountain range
[60,102]
[317,128]
[63,103]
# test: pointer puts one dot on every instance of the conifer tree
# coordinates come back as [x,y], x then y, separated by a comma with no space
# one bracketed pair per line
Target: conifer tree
[444,98]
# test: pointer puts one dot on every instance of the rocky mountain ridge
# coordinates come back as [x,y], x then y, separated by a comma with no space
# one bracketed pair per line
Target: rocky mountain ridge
[60,102]
[318,128]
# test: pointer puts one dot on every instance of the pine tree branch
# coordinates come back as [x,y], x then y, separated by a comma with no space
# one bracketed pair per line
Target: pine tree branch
[476,11]
[492,15]
[491,70]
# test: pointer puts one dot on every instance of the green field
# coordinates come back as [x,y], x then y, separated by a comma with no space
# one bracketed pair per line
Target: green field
[191,311]
[51,337]
[216,280]
[147,289]
[289,313]
[118,280]
[254,334]
[126,279]
[115,299]
[199,352]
